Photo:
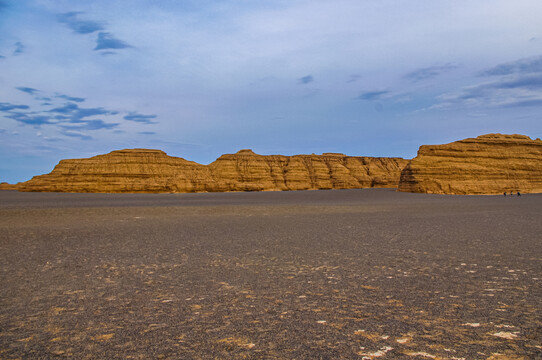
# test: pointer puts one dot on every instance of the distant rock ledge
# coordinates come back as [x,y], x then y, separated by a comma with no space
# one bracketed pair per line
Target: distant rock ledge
[6,186]
[153,171]
[488,164]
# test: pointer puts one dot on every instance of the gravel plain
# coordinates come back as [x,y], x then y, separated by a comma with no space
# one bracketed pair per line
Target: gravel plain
[341,274]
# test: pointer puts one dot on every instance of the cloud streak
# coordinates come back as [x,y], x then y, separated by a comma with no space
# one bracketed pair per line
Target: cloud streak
[30,118]
[510,85]
[10,107]
[524,91]
[90,125]
[353,78]
[75,114]
[71,19]
[373,95]
[104,41]
[107,41]
[522,66]
[27,90]
[145,119]
[77,134]
[19,48]
[430,72]
[305,80]
[69,98]
[68,118]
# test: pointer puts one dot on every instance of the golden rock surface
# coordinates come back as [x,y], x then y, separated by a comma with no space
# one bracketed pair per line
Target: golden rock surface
[7,186]
[152,171]
[488,164]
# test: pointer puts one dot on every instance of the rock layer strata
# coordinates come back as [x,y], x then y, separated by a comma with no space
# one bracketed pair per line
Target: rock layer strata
[488,164]
[7,186]
[143,170]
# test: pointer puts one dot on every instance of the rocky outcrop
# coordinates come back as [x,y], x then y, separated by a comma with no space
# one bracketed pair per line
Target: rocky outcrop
[132,170]
[7,186]
[142,170]
[488,164]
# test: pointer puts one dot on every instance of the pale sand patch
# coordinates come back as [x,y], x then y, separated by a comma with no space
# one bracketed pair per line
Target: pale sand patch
[505,335]
[376,354]
[423,354]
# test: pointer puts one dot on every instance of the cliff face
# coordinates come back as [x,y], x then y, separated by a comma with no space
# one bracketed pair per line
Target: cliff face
[133,170]
[488,164]
[141,170]
[7,186]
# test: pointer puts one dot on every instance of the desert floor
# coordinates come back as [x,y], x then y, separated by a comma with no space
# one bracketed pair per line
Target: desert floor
[343,274]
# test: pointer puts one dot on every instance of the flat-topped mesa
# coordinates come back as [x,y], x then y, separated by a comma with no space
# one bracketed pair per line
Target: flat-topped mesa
[488,164]
[129,170]
[141,170]
[247,171]
[513,137]
[245,152]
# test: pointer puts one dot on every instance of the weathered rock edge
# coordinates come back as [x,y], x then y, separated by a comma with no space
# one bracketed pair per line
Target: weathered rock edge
[153,171]
[486,165]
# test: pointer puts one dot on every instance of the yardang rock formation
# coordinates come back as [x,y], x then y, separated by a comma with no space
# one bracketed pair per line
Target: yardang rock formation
[6,186]
[488,164]
[142,170]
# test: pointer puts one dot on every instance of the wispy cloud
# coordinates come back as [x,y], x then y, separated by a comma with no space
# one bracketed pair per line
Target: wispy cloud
[305,79]
[30,118]
[104,41]
[353,78]
[77,134]
[430,72]
[373,95]
[146,133]
[27,90]
[522,66]
[90,125]
[71,19]
[524,103]
[505,92]
[10,107]
[69,98]
[530,82]
[75,114]
[2,57]
[514,84]
[146,119]
[19,48]
[69,118]
[107,41]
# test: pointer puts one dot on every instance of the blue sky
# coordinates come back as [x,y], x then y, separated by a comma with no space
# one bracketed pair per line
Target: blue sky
[200,78]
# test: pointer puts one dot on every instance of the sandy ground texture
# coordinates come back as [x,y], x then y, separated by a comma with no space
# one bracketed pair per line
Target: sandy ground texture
[343,274]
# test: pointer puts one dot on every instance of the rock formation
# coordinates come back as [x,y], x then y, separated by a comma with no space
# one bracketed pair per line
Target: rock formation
[488,164]
[7,186]
[142,170]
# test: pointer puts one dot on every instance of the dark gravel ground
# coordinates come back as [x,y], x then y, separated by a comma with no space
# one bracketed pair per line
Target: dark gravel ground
[350,274]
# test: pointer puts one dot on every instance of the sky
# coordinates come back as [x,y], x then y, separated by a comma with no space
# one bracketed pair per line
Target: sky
[200,78]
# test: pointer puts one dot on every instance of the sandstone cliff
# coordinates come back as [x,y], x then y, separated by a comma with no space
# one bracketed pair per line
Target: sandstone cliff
[488,164]
[142,170]
[7,186]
